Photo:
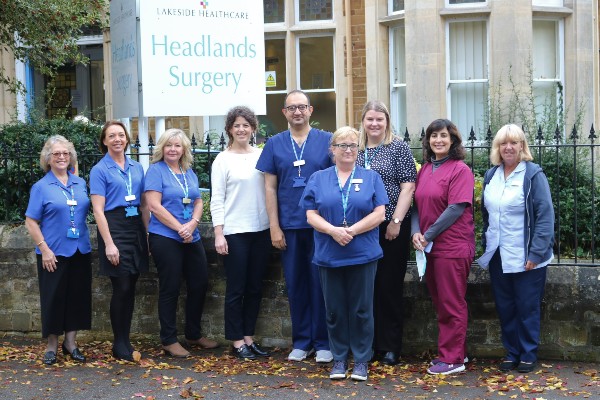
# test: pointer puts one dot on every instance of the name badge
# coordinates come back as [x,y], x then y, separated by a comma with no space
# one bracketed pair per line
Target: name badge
[299,163]
[299,181]
[186,200]
[131,211]
[73,233]
[356,180]
[71,202]
[131,197]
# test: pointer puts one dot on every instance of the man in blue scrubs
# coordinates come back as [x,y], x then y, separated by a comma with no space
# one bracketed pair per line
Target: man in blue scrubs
[288,160]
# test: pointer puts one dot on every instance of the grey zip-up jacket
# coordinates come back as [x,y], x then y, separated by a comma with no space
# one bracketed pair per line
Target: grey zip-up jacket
[538,234]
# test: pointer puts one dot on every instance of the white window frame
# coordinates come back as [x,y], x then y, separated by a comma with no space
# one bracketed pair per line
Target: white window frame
[466,5]
[547,3]
[298,58]
[450,82]
[560,53]
[391,8]
[396,87]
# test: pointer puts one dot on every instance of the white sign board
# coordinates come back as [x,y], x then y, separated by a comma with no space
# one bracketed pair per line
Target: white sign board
[124,56]
[201,57]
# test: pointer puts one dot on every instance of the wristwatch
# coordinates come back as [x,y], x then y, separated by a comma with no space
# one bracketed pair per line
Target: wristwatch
[397,220]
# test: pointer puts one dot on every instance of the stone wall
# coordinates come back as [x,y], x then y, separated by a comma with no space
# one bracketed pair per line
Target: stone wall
[570,326]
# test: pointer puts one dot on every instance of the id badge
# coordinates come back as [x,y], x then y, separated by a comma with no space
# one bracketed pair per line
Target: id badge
[131,197]
[73,233]
[71,202]
[131,211]
[299,163]
[299,181]
[187,214]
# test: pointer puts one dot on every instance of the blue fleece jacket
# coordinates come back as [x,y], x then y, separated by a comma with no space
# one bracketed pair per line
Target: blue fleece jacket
[538,232]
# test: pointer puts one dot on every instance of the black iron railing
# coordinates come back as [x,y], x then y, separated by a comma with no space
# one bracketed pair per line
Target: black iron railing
[569,163]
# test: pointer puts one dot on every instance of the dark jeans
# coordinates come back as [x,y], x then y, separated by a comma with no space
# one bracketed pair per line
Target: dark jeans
[245,268]
[176,261]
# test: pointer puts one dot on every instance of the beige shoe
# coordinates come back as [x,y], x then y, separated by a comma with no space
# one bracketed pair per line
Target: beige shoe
[203,342]
[176,350]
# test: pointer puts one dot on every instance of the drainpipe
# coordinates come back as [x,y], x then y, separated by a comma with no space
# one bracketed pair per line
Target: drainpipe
[349,72]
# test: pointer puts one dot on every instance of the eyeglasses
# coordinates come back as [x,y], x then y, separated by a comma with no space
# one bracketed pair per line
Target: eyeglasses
[344,146]
[58,154]
[301,108]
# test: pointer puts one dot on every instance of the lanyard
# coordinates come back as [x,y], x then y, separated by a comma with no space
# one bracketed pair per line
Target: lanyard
[183,187]
[373,154]
[128,184]
[72,203]
[298,159]
[345,197]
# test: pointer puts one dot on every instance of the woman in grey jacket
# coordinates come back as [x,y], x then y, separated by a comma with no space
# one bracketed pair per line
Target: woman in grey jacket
[518,237]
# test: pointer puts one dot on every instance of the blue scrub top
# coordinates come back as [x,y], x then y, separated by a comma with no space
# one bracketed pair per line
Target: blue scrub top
[107,179]
[48,205]
[160,179]
[323,194]
[278,158]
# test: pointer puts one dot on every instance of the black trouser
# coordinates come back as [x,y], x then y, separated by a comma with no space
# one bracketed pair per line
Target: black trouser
[66,294]
[245,267]
[388,307]
[176,261]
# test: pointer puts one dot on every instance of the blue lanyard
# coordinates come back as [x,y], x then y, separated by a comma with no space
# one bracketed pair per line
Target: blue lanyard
[347,196]
[301,150]
[72,206]
[185,188]
[128,184]
[373,154]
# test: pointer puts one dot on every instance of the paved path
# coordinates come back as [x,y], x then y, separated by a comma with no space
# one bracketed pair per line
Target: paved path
[217,375]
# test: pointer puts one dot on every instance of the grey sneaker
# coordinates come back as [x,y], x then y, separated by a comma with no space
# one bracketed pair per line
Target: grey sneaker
[299,355]
[339,369]
[360,370]
[324,356]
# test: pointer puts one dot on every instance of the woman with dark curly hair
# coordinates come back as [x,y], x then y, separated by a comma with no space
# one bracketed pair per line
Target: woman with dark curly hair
[241,225]
[442,226]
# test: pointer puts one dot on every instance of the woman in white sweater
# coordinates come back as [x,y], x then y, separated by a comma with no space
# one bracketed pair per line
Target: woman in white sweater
[241,227]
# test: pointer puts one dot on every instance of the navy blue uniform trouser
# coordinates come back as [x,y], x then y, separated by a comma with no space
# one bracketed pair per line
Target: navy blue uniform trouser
[348,295]
[518,304]
[307,308]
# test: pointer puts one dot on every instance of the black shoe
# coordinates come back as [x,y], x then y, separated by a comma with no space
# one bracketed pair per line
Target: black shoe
[124,357]
[507,365]
[244,352]
[49,357]
[76,355]
[526,367]
[259,351]
[390,358]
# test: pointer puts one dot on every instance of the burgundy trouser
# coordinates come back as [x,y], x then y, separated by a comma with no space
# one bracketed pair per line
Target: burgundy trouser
[447,283]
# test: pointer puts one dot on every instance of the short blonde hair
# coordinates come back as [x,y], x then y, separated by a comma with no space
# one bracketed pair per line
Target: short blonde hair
[187,159]
[509,132]
[46,152]
[343,133]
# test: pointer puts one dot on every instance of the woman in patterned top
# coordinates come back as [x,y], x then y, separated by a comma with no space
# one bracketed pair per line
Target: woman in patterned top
[389,156]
